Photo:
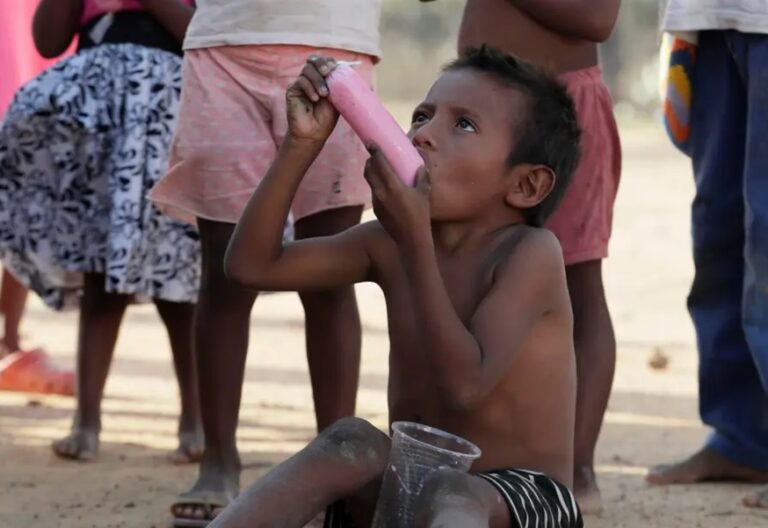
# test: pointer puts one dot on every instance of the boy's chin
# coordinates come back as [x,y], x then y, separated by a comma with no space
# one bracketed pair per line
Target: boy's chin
[441,215]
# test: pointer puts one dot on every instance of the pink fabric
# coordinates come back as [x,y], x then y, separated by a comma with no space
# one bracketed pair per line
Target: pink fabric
[19,60]
[94,8]
[584,219]
[232,119]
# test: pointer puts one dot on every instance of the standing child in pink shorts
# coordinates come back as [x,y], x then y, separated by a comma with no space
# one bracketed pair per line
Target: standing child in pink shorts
[562,37]
[241,55]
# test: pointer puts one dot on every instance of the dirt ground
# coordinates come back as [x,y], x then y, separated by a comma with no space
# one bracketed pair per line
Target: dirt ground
[652,415]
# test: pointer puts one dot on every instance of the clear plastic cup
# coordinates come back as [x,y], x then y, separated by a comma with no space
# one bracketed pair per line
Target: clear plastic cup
[417,451]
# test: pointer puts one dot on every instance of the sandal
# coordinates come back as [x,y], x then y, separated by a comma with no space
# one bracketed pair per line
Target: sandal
[210,501]
[34,371]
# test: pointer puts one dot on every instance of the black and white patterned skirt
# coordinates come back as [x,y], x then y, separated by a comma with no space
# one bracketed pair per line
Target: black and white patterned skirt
[81,146]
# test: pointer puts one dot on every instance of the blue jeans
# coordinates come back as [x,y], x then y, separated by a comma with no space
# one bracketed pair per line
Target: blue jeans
[729,297]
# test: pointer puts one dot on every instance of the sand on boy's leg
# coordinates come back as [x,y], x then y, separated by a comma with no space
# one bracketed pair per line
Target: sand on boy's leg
[344,461]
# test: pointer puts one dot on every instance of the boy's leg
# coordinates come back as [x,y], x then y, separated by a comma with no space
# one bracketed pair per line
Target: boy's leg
[178,318]
[13,299]
[345,458]
[732,400]
[595,346]
[452,499]
[333,333]
[500,499]
[220,343]
[100,316]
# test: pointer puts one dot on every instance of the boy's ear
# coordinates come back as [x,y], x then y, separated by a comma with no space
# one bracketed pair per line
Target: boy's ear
[531,184]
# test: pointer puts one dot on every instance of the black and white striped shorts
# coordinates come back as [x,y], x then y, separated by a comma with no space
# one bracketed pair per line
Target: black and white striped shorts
[534,499]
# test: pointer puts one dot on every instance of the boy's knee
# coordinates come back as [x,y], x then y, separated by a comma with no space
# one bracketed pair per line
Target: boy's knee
[446,482]
[446,492]
[355,441]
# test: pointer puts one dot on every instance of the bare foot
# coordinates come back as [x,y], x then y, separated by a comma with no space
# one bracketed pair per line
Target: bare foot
[758,499]
[216,487]
[586,491]
[706,465]
[81,444]
[190,448]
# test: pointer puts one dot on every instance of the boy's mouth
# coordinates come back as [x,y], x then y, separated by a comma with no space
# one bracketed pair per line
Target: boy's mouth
[424,156]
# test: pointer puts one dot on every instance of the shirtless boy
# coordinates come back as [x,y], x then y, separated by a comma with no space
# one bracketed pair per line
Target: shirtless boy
[562,36]
[479,315]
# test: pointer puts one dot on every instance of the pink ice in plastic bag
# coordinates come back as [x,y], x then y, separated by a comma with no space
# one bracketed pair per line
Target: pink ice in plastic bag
[357,103]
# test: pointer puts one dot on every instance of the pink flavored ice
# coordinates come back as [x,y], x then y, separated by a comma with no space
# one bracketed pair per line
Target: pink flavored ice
[357,103]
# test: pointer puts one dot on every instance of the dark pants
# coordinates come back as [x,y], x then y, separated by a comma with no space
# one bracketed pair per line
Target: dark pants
[729,297]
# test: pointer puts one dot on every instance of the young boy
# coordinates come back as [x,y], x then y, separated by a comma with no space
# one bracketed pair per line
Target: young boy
[479,316]
[562,37]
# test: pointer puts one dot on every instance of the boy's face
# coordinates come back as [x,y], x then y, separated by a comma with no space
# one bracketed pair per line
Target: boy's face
[464,132]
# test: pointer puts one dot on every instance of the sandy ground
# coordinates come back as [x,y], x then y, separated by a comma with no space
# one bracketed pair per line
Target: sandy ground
[652,415]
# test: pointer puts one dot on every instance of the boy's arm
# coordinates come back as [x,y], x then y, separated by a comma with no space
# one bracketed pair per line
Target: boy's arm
[586,19]
[256,256]
[469,362]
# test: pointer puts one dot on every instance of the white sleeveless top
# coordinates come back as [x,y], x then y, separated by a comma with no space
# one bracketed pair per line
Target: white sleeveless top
[351,25]
[747,16]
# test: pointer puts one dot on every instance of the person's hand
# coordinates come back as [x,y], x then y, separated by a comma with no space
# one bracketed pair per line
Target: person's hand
[311,117]
[402,210]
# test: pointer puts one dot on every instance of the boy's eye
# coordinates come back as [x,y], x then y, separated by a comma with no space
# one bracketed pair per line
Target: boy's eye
[466,125]
[419,118]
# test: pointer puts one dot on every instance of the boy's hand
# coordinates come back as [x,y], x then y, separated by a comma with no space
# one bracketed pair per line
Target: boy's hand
[311,117]
[403,211]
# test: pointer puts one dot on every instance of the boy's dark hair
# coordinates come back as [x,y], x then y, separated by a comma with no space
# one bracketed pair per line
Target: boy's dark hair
[548,135]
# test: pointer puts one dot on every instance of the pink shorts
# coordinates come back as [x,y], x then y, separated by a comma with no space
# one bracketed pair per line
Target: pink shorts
[231,121]
[584,218]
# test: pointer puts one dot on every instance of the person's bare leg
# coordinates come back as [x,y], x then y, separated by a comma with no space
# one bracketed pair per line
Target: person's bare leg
[705,465]
[345,458]
[220,344]
[178,318]
[759,499]
[13,299]
[333,333]
[595,345]
[452,499]
[100,316]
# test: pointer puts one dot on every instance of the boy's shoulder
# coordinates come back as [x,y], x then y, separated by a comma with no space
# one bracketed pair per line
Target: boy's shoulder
[533,245]
[531,258]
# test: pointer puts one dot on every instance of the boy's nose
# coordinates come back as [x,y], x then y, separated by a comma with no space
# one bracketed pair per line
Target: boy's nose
[421,138]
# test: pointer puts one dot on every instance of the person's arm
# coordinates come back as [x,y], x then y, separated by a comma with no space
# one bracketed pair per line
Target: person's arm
[468,360]
[174,15]
[55,24]
[256,256]
[586,19]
